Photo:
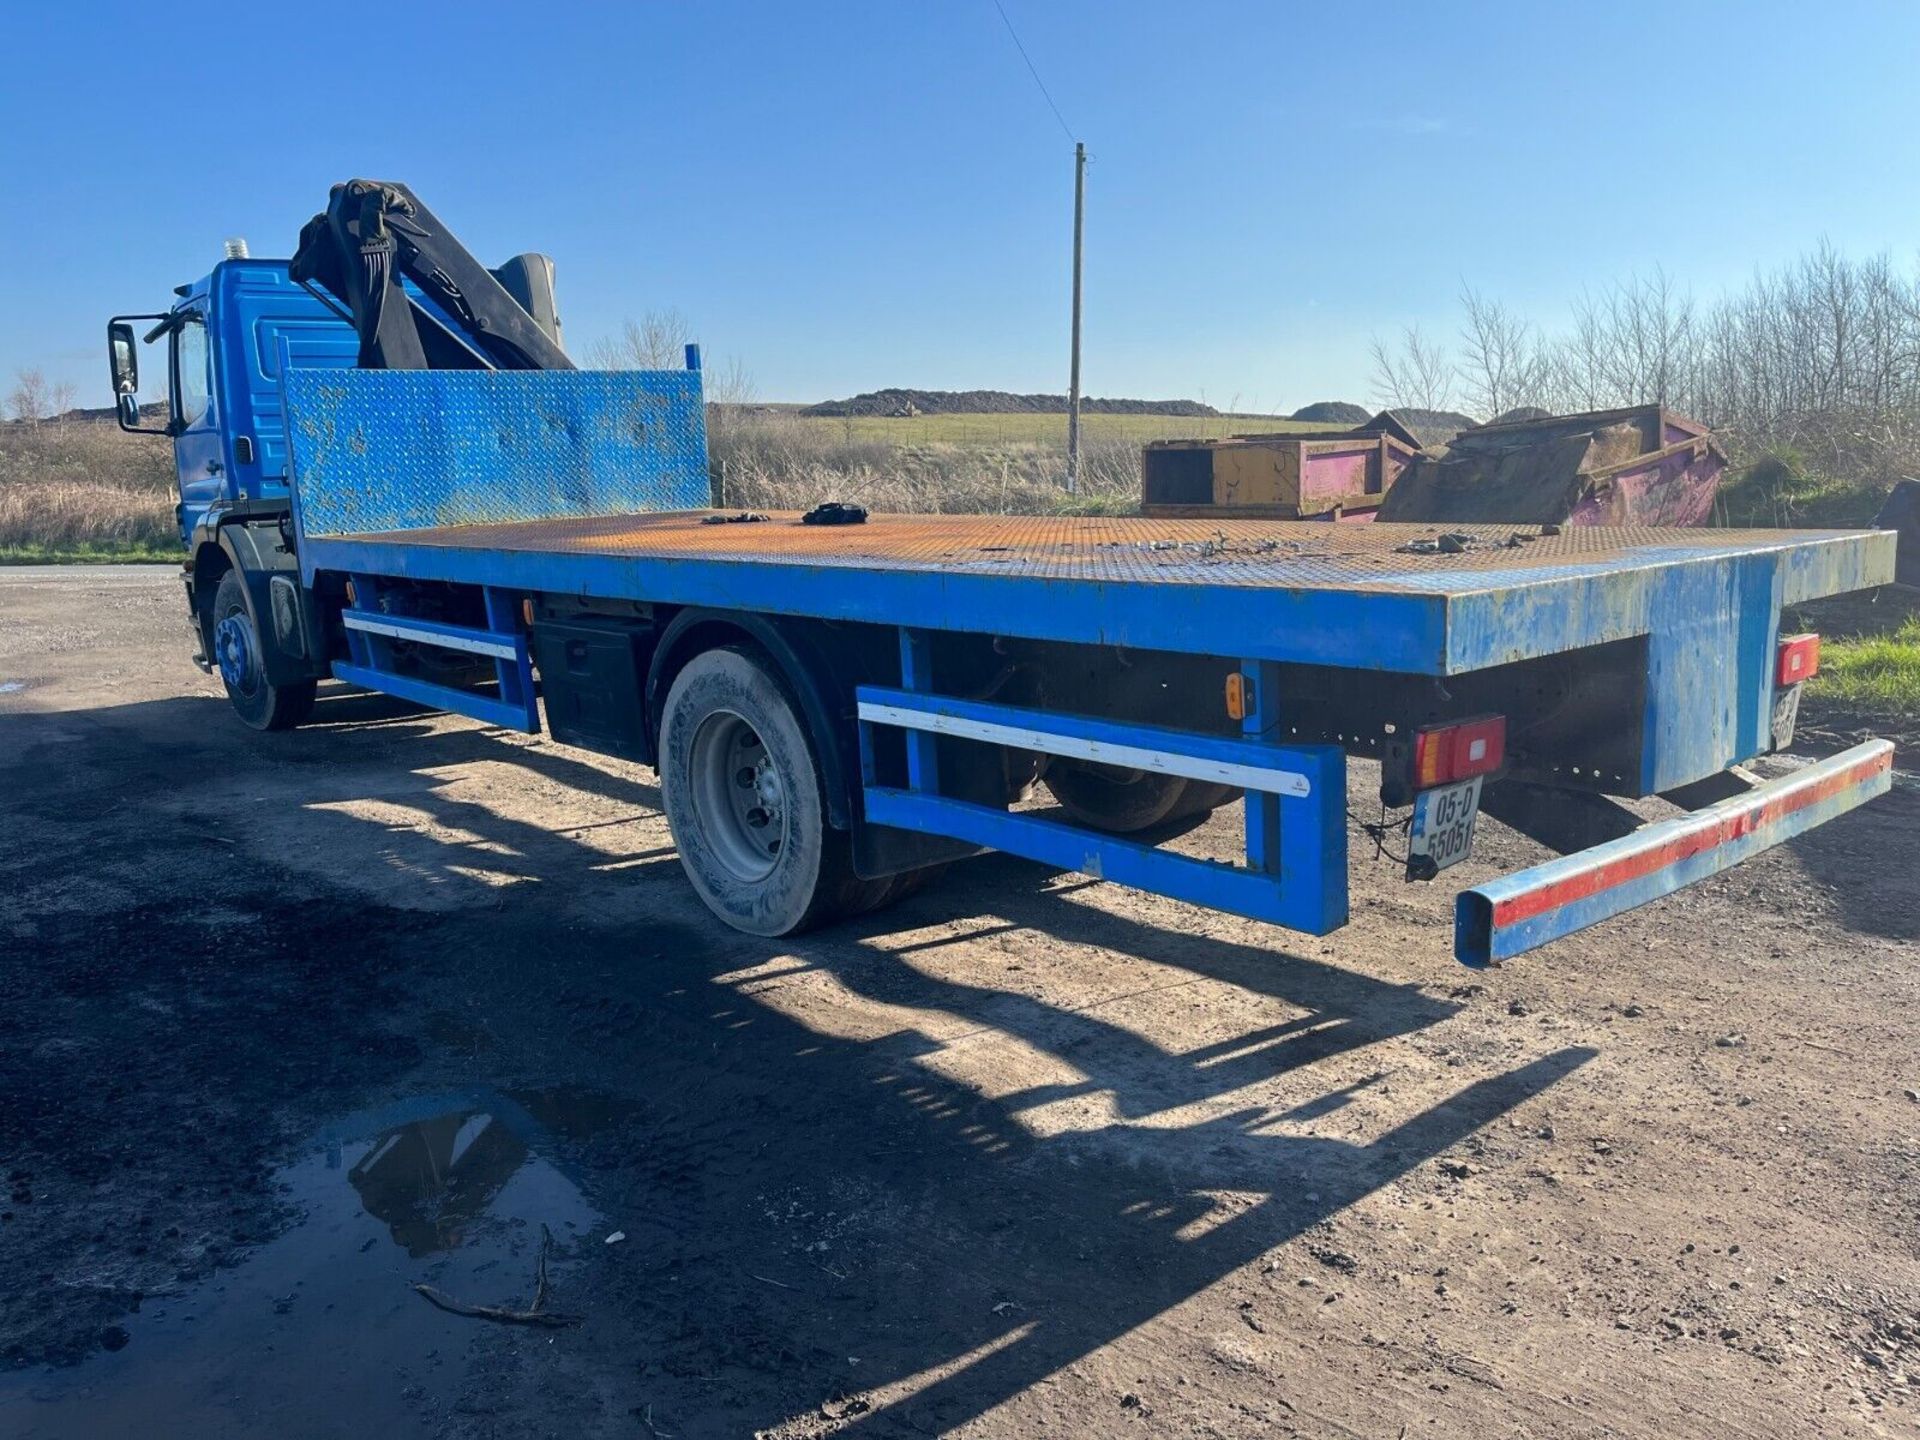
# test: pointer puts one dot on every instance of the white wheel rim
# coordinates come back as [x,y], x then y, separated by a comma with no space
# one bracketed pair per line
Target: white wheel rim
[739,796]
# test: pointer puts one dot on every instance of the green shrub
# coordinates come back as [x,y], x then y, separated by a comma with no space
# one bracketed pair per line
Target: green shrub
[1782,489]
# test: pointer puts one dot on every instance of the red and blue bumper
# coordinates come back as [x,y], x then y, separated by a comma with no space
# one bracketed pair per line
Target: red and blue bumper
[1513,915]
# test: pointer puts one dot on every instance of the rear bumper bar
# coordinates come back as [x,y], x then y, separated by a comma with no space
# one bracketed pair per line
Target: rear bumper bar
[1515,914]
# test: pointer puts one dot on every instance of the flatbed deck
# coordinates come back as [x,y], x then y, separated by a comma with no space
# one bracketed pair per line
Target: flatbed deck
[529,488]
[1277,590]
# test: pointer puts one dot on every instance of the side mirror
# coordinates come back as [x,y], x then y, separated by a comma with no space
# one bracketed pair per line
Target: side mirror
[124,360]
[123,363]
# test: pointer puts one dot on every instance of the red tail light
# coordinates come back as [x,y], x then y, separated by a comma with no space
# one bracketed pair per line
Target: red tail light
[1799,659]
[1459,752]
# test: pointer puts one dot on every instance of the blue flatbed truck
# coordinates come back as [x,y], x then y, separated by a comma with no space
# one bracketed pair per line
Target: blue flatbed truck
[377,489]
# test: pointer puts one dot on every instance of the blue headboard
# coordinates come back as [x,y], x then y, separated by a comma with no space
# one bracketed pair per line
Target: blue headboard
[379,450]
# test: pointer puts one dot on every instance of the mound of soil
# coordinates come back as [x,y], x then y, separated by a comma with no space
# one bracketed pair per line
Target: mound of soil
[1519,413]
[995,402]
[1435,427]
[1333,412]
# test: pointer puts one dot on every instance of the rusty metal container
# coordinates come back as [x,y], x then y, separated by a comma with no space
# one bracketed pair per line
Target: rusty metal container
[1641,465]
[1323,475]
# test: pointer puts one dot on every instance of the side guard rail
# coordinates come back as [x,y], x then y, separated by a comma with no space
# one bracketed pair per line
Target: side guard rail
[1510,916]
[1296,870]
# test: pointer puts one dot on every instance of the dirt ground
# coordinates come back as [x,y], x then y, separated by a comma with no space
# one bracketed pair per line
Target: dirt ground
[291,1023]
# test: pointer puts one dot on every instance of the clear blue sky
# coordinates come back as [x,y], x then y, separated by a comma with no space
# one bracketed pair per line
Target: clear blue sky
[854,195]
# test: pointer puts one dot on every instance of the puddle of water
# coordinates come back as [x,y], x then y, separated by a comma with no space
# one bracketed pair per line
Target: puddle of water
[9,687]
[318,1332]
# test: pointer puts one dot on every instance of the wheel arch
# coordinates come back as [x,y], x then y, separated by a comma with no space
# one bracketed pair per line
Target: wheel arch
[818,672]
[259,554]
[209,563]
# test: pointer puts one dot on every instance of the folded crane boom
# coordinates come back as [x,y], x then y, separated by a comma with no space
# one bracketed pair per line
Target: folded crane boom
[375,236]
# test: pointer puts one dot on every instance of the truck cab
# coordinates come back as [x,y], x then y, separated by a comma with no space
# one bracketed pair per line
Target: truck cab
[229,338]
[226,340]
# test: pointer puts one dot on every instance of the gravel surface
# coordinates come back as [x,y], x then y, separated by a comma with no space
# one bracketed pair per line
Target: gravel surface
[291,1024]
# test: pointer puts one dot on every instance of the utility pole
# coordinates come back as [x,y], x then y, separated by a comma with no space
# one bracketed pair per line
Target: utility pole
[1073,382]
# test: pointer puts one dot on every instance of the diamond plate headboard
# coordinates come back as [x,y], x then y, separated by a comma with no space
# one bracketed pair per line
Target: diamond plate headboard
[378,450]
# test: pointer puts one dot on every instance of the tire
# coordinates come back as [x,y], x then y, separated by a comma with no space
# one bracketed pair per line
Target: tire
[1118,802]
[1203,797]
[910,882]
[238,652]
[745,802]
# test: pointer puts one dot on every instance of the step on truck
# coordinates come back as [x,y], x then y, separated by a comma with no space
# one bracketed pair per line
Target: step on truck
[392,476]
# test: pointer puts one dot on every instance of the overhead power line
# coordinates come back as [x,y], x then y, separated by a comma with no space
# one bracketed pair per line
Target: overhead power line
[1045,94]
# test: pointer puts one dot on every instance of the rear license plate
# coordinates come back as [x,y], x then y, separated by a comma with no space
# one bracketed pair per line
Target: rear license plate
[1443,822]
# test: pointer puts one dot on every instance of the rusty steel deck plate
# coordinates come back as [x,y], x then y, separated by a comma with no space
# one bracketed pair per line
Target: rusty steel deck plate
[1316,593]
[1293,555]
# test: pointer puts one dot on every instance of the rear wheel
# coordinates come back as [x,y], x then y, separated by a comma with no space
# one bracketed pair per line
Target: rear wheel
[1203,797]
[242,661]
[909,883]
[1105,797]
[744,798]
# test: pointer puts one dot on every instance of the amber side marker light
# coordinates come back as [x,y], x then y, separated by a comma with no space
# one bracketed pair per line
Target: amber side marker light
[1239,700]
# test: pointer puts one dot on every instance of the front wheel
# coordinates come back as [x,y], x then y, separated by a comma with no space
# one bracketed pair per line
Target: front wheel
[745,802]
[242,661]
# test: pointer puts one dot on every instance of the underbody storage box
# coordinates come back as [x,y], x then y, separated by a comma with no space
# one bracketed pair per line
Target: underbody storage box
[592,674]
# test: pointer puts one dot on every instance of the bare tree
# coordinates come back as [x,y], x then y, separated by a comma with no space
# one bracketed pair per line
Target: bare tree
[729,391]
[65,395]
[657,341]
[1817,363]
[1637,343]
[1504,366]
[28,399]
[1417,376]
[731,384]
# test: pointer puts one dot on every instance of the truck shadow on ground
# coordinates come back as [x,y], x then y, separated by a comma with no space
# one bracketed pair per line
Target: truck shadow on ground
[1865,863]
[847,1208]
[846,1225]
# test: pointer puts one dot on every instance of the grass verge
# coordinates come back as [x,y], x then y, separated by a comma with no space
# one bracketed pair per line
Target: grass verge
[91,553]
[1874,676]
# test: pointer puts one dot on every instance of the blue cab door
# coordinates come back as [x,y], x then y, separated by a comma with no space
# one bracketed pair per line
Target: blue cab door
[198,450]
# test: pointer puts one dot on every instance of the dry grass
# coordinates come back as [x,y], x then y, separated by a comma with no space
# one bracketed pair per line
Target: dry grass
[96,451]
[66,514]
[786,462]
[84,488]
[1041,428]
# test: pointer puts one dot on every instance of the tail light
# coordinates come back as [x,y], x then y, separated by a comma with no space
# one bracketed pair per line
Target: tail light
[1459,752]
[1799,659]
